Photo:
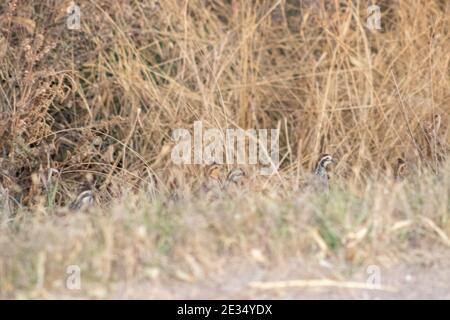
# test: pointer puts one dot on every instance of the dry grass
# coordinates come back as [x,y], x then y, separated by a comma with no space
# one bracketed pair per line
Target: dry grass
[103,101]
[138,240]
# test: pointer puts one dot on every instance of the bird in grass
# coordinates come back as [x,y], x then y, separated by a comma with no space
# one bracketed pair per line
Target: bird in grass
[214,171]
[213,178]
[401,170]
[216,184]
[321,177]
[83,201]
[234,177]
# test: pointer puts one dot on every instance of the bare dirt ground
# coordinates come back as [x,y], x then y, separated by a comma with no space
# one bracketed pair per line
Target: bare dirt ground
[426,277]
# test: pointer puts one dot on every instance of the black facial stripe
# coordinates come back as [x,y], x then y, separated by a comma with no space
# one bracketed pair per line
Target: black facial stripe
[323,160]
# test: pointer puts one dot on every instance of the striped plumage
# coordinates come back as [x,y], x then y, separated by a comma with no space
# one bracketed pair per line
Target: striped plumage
[213,171]
[216,184]
[84,200]
[213,179]
[401,170]
[320,171]
[234,177]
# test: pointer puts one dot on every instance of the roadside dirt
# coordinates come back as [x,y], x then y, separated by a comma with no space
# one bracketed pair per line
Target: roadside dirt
[426,277]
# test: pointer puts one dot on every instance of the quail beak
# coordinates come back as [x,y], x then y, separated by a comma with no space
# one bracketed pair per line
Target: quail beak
[333,162]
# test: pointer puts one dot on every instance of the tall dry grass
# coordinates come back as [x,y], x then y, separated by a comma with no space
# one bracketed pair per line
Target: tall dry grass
[99,105]
[104,100]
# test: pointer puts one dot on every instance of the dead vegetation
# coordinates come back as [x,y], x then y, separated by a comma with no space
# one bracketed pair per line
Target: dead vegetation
[104,100]
[97,107]
[142,241]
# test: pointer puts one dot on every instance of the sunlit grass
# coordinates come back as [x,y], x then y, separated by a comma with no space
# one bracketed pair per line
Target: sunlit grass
[131,237]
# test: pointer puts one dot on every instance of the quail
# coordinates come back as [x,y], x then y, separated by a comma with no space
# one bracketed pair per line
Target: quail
[213,178]
[83,201]
[321,178]
[234,177]
[401,170]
